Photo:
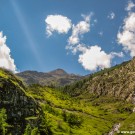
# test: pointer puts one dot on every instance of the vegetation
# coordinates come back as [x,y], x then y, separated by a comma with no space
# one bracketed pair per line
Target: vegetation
[115,81]
[91,106]
[3,124]
[70,115]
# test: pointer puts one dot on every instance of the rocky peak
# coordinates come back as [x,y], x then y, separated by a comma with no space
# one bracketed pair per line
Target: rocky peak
[58,72]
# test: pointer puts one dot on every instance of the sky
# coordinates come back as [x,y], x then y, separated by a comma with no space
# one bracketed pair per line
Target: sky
[80,36]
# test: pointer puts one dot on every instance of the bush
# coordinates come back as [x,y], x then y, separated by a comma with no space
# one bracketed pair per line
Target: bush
[125,108]
[3,124]
[72,119]
[30,131]
[45,127]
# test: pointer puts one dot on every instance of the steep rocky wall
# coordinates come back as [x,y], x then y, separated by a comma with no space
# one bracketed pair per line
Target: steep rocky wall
[17,103]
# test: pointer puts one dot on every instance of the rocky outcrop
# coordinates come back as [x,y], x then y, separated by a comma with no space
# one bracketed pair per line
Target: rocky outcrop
[118,82]
[17,103]
[115,129]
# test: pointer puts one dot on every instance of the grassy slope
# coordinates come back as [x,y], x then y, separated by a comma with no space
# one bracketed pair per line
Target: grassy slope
[97,116]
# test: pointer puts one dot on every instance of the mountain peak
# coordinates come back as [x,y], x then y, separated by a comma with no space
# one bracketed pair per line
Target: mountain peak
[58,72]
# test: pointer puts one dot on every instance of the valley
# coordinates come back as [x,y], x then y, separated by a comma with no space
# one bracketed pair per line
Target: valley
[93,105]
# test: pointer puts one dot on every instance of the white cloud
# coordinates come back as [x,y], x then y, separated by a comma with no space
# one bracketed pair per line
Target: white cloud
[58,23]
[127,36]
[5,57]
[77,48]
[78,30]
[111,16]
[90,57]
[130,6]
[114,54]
[93,57]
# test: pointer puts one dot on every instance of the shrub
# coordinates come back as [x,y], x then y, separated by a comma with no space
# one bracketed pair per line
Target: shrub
[72,119]
[3,124]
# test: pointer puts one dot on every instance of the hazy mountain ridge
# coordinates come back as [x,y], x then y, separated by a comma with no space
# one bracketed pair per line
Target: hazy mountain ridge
[57,77]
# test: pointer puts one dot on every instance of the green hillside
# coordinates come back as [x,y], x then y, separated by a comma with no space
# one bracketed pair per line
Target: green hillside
[68,115]
[117,81]
[95,105]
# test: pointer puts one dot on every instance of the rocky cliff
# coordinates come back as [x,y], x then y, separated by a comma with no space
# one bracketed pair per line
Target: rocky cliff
[19,106]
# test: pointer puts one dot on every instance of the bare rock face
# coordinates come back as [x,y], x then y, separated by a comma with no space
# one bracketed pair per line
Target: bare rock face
[118,82]
[17,103]
[133,109]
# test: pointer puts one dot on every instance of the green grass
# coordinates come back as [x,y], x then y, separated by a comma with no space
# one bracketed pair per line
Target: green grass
[129,123]
[98,115]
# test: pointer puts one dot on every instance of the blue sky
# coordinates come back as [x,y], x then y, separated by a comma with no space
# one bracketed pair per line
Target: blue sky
[103,43]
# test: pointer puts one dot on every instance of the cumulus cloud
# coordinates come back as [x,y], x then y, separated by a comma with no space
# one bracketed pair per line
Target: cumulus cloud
[5,57]
[58,23]
[111,16]
[90,57]
[79,29]
[126,37]
[93,57]
[130,6]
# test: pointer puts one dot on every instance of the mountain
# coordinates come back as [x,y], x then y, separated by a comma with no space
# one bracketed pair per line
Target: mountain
[58,72]
[102,103]
[118,81]
[58,77]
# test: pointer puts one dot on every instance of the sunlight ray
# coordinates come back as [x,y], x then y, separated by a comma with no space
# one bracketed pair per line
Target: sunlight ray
[31,41]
